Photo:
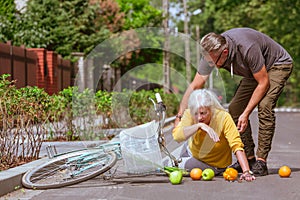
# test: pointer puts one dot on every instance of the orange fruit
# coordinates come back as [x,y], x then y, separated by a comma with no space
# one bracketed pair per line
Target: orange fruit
[196,173]
[230,174]
[284,171]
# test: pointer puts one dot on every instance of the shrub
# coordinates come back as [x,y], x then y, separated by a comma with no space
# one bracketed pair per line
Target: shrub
[23,116]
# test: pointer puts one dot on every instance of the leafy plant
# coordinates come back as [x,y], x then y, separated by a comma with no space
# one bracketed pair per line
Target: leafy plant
[23,116]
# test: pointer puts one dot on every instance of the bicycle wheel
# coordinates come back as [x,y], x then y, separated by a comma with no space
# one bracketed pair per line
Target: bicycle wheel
[69,169]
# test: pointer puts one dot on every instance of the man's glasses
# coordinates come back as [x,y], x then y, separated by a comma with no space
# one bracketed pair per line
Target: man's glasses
[214,63]
[218,58]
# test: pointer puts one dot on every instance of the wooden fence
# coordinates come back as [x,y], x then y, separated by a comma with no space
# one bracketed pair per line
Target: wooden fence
[36,67]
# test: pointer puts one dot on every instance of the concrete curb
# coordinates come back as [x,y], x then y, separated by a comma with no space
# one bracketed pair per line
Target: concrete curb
[11,179]
[287,110]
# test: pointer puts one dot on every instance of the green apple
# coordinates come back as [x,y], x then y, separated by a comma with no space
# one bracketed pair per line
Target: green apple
[208,174]
[175,177]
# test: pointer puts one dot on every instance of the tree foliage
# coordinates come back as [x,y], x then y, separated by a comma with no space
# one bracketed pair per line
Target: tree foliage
[74,25]
[7,19]
[62,26]
[139,14]
[7,8]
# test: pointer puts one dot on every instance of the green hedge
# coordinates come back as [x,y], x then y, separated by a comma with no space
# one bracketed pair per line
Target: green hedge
[34,104]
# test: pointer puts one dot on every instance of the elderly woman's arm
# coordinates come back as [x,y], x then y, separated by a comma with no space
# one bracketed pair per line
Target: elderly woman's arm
[235,142]
[188,131]
[191,130]
[241,157]
[186,128]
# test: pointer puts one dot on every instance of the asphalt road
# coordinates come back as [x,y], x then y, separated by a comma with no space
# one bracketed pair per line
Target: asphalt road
[285,151]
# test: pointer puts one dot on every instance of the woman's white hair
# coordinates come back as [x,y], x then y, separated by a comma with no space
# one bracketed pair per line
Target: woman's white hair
[203,98]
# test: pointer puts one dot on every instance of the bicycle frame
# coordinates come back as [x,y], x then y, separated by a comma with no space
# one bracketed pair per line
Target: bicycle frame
[160,110]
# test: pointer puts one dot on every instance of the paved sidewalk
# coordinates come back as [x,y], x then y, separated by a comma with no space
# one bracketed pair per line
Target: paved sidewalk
[285,151]
[10,180]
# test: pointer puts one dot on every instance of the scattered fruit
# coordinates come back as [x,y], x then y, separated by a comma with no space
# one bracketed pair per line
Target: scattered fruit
[172,169]
[230,174]
[208,174]
[175,177]
[284,171]
[196,173]
[175,174]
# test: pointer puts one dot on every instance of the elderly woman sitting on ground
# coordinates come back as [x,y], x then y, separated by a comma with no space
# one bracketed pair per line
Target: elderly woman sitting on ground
[211,136]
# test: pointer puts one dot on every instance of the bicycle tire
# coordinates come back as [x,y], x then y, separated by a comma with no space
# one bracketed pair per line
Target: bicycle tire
[41,178]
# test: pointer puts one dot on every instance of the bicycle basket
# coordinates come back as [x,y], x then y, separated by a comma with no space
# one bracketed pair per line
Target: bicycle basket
[140,148]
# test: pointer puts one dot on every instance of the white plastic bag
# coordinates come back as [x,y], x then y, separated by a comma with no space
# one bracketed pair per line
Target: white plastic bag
[140,148]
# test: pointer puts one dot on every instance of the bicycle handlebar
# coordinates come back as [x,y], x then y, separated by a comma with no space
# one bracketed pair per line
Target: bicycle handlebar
[158,98]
